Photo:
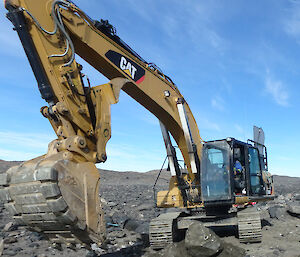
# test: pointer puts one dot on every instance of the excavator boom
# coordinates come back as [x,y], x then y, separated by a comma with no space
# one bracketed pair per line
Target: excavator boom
[58,193]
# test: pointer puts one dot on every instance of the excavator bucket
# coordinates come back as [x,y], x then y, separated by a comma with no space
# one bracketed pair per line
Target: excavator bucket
[56,196]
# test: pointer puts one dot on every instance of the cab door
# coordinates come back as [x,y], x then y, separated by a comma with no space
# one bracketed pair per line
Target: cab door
[215,172]
[255,172]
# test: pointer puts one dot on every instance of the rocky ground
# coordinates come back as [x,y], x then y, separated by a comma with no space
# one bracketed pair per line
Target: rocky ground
[127,199]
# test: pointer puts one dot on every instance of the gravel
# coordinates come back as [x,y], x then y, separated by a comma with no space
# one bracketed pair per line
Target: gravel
[128,203]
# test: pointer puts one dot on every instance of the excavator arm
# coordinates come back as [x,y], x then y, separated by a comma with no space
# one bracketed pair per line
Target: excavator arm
[58,193]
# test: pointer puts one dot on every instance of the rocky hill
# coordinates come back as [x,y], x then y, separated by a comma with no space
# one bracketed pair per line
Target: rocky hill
[285,184]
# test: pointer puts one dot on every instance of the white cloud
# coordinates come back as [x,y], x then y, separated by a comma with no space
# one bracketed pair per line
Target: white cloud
[215,40]
[201,20]
[277,90]
[292,22]
[10,155]
[217,102]
[23,146]
[31,140]
[211,125]
[184,21]
[206,124]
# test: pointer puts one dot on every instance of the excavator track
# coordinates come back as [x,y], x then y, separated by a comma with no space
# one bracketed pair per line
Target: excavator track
[249,226]
[33,197]
[162,230]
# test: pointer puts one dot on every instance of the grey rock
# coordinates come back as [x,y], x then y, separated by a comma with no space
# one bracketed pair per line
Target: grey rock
[42,255]
[117,234]
[277,211]
[264,214]
[37,236]
[10,252]
[112,204]
[10,240]
[33,245]
[134,237]
[1,246]
[18,249]
[143,228]
[145,206]
[103,201]
[131,224]
[280,199]
[177,250]
[119,218]
[231,250]
[294,208]
[173,250]
[8,226]
[201,241]
[56,246]
[182,250]
[91,254]
[296,197]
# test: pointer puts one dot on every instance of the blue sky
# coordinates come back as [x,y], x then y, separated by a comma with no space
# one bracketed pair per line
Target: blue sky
[236,63]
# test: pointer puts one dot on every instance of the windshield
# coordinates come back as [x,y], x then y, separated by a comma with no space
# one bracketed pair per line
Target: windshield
[215,175]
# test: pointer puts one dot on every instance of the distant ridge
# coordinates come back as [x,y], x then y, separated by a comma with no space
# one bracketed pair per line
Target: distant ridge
[283,184]
[5,165]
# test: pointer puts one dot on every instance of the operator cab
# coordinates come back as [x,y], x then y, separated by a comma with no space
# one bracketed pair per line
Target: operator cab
[229,169]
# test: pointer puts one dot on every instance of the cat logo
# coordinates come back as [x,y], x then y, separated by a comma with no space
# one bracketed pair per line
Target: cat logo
[127,67]
[130,68]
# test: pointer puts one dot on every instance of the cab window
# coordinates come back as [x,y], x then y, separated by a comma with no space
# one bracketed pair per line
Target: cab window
[255,172]
[215,157]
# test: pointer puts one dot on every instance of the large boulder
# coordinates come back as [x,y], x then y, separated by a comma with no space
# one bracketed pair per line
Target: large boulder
[119,218]
[277,211]
[201,241]
[294,208]
[131,224]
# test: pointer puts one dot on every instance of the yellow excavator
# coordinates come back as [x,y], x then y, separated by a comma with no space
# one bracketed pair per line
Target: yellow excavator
[57,194]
